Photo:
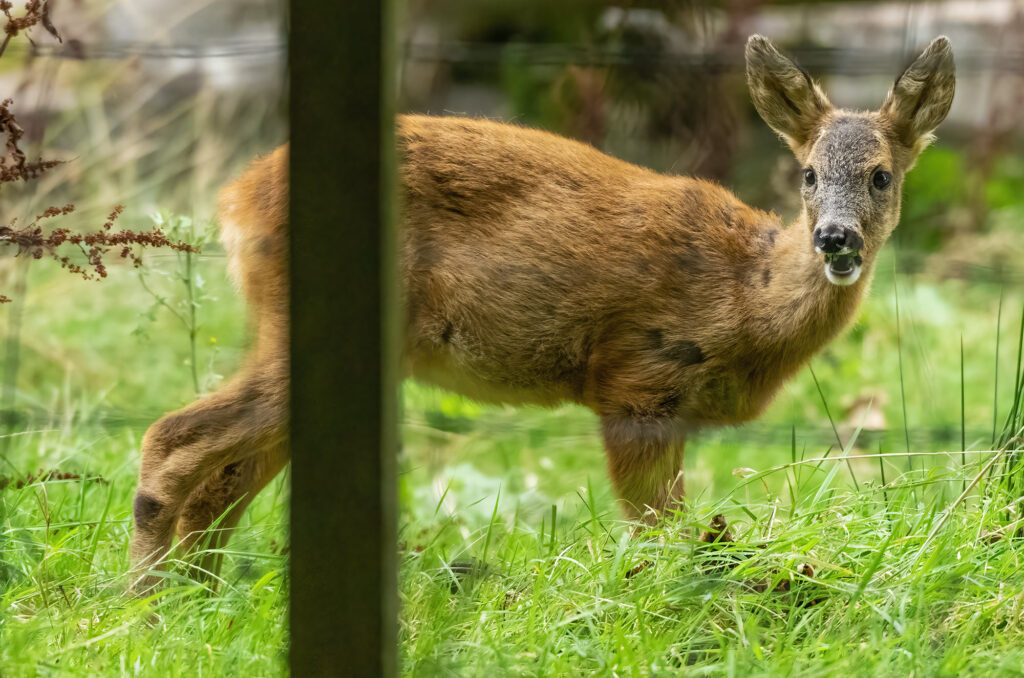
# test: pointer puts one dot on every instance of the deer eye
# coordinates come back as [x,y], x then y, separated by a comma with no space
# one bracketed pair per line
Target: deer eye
[881,180]
[809,177]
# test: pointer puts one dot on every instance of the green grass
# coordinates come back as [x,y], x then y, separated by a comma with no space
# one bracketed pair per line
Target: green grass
[905,580]
[86,391]
[63,552]
[564,602]
[515,559]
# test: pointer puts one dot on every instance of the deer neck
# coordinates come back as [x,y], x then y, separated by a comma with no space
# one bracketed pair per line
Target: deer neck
[801,309]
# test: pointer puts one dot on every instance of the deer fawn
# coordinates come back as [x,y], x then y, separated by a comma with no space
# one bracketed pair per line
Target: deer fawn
[536,269]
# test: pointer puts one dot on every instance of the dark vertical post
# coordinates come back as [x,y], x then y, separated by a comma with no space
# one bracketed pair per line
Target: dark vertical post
[343,429]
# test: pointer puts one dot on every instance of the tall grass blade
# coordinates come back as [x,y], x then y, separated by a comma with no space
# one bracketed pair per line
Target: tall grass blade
[1009,437]
[490,525]
[872,567]
[963,495]
[1015,414]
[899,355]
[828,412]
[881,470]
[963,416]
[995,387]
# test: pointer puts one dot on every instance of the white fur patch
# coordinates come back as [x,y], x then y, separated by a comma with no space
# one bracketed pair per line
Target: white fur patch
[231,238]
[842,281]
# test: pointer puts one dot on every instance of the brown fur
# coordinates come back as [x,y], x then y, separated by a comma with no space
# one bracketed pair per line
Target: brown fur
[536,269]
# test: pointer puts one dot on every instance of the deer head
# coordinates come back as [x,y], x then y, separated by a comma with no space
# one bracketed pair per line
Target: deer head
[853,162]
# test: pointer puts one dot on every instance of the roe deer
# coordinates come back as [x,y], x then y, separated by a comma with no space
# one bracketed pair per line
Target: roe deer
[536,269]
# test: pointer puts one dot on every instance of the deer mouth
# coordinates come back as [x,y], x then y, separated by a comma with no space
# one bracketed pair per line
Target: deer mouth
[843,267]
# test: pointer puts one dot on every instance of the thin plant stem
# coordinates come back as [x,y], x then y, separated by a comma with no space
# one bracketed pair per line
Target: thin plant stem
[899,353]
[833,423]
[963,416]
[995,387]
[824,403]
[12,353]
[881,470]
[190,298]
[159,299]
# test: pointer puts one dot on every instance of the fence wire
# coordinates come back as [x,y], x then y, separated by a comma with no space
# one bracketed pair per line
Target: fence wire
[833,61]
[810,437]
[79,51]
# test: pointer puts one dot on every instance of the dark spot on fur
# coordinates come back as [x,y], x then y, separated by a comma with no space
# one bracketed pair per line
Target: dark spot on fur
[770,237]
[684,352]
[267,199]
[268,247]
[145,509]
[446,333]
[669,404]
[426,256]
[766,277]
[691,260]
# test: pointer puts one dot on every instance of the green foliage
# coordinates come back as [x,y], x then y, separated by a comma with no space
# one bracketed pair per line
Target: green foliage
[64,608]
[184,307]
[583,598]
[1003,190]
[513,508]
[934,187]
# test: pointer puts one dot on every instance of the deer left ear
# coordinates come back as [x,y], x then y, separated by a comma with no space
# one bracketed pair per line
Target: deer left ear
[922,95]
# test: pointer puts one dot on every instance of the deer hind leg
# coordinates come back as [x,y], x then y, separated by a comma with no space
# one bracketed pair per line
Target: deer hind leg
[184,449]
[645,462]
[214,508]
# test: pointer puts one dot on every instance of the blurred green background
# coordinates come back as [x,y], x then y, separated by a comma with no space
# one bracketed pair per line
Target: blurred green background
[155,105]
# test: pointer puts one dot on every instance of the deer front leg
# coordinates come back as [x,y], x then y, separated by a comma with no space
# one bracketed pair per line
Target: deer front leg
[645,462]
[184,449]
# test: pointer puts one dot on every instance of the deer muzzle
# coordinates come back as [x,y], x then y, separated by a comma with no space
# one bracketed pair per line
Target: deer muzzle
[841,246]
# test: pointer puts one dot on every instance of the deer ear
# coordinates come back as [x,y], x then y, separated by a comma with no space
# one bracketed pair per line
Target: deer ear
[922,95]
[783,93]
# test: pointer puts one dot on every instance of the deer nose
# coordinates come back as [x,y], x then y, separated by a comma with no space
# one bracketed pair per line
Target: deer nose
[834,238]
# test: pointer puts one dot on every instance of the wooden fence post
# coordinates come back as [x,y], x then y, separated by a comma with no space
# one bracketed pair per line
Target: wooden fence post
[343,390]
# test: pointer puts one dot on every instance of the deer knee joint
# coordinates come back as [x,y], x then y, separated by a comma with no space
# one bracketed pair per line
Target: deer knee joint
[145,510]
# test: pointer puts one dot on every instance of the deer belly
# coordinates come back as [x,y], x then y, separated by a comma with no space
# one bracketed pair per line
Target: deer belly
[482,382]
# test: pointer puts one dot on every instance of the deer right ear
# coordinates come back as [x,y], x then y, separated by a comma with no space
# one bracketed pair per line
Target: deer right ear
[783,93]
[922,95]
